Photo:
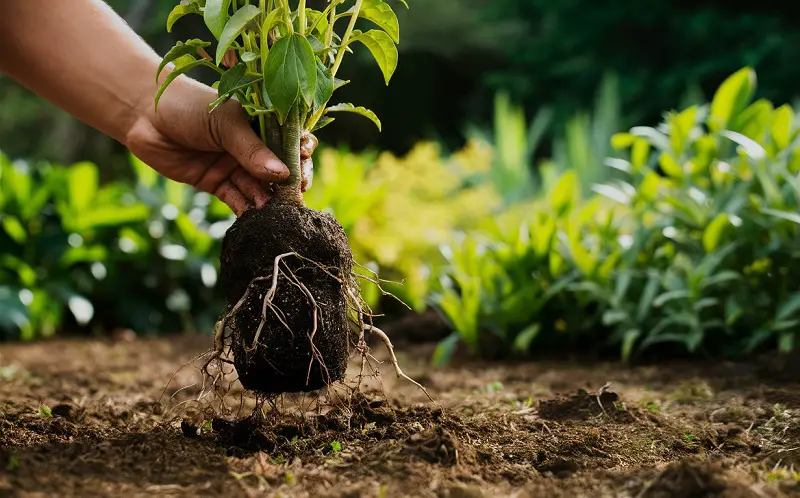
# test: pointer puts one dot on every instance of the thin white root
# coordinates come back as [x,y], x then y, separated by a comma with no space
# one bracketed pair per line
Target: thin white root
[362,344]
[382,335]
[270,295]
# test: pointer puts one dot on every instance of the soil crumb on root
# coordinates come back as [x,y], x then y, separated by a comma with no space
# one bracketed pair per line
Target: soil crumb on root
[303,343]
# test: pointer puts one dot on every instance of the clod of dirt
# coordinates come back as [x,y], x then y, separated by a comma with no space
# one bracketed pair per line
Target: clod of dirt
[303,344]
[436,445]
[189,429]
[692,479]
[63,411]
[582,406]
[243,436]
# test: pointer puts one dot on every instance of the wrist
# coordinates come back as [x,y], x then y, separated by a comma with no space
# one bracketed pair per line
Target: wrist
[140,110]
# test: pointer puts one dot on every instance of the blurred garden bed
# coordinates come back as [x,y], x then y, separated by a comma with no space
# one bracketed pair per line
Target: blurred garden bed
[678,239]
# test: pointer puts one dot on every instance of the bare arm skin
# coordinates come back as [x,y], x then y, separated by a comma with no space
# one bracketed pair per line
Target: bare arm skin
[80,55]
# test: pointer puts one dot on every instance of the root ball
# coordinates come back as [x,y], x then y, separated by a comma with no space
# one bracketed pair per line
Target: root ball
[296,351]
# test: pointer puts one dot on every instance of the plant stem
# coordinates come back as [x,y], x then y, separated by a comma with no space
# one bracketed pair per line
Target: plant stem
[331,21]
[288,192]
[302,21]
[273,138]
[249,40]
[314,119]
[346,37]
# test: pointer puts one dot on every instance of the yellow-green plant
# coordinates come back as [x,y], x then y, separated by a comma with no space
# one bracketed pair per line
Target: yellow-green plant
[693,247]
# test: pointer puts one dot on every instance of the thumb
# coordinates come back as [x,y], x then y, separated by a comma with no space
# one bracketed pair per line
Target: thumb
[240,141]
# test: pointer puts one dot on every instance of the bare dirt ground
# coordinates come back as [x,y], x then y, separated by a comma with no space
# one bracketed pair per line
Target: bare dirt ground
[87,418]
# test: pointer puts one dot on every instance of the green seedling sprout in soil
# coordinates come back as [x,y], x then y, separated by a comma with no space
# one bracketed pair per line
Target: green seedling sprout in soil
[281,63]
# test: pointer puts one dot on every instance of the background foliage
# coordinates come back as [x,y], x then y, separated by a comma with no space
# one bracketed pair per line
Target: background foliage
[509,197]
[665,53]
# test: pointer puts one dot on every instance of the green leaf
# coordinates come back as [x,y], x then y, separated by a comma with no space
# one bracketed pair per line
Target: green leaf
[179,50]
[782,126]
[670,296]
[357,110]
[111,217]
[754,120]
[84,254]
[731,98]
[235,79]
[786,215]
[381,14]
[750,147]
[733,311]
[523,341]
[628,340]
[45,412]
[273,18]
[324,85]
[614,316]
[14,314]
[648,296]
[337,83]
[720,278]
[234,27]
[179,11]
[27,275]
[317,20]
[383,50]
[215,15]
[322,123]
[83,183]
[249,56]
[290,72]
[714,231]
[444,351]
[14,229]
[786,342]
[146,175]
[565,191]
[670,166]
[788,308]
[179,71]
[621,141]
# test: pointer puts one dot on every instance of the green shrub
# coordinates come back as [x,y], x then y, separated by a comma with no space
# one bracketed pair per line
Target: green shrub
[695,246]
[132,255]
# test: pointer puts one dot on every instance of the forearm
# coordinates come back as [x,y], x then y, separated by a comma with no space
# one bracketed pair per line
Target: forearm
[81,56]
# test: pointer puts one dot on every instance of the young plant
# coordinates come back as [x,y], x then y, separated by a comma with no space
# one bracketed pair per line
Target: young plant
[282,64]
[287,270]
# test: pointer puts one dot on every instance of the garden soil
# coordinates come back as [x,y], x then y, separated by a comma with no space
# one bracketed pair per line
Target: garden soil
[87,418]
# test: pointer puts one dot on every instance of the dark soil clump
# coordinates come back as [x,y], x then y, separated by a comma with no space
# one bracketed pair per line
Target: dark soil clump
[582,406]
[296,351]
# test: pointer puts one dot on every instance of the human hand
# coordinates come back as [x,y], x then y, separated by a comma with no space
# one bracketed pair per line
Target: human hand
[215,152]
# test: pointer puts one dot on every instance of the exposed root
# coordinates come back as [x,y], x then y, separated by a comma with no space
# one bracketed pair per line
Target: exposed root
[382,335]
[213,369]
[268,299]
